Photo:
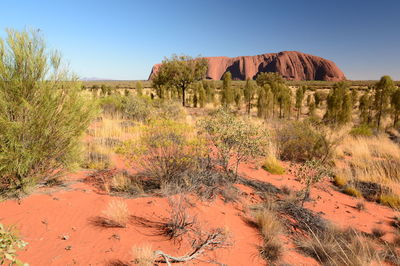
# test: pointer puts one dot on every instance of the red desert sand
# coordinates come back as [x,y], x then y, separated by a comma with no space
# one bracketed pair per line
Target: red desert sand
[58,223]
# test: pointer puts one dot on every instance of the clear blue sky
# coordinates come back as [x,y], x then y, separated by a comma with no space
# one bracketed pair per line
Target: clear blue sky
[122,39]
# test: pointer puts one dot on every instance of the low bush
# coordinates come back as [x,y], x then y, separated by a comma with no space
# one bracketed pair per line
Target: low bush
[166,151]
[235,139]
[310,173]
[272,165]
[9,244]
[300,141]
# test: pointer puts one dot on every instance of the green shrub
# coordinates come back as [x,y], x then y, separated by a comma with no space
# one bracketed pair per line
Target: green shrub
[300,141]
[236,140]
[42,112]
[361,131]
[272,165]
[9,243]
[137,108]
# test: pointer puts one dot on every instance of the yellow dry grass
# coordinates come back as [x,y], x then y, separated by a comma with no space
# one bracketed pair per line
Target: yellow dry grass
[103,137]
[143,255]
[370,159]
[117,213]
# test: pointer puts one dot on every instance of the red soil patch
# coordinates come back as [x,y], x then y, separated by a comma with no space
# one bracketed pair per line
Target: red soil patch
[51,214]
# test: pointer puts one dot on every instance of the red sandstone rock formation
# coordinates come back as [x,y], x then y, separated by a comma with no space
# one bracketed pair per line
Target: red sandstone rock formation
[290,64]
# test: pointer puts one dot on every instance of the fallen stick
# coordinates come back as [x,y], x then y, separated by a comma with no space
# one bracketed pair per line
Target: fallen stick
[213,241]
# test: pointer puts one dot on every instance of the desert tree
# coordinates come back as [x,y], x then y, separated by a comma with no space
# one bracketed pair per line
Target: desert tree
[354,98]
[300,92]
[382,91]
[317,99]
[264,101]
[284,100]
[339,104]
[179,72]
[227,93]
[238,97]
[278,88]
[365,107]
[395,103]
[139,88]
[269,78]
[42,111]
[249,92]
[308,100]
[202,95]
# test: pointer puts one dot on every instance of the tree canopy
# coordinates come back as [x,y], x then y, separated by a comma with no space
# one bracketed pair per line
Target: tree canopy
[178,73]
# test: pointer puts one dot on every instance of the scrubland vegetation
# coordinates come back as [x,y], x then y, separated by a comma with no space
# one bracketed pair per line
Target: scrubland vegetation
[184,135]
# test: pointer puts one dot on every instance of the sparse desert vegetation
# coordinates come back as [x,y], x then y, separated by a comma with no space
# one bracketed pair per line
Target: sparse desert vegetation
[168,170]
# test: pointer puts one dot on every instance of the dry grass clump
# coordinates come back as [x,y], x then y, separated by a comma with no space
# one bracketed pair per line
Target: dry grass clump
[103,139]
[176,225]
[339,248]
[269,226]
[396,222]
[143,255]
[272,165]
[352,191]
[391,254]
[116,214]
[391,200]
[360,206]
[124,183]
[372,167]
[339,181]
[374,159]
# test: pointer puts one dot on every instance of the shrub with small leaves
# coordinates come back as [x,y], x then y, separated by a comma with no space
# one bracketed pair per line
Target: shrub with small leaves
[9,244]
[236,140]
[310,173]
[300,141]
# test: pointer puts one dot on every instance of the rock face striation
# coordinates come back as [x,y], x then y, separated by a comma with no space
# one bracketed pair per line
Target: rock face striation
[291,65]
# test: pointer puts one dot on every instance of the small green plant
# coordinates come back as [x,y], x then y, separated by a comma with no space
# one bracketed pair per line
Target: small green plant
[310,173]
[9,244]
[352,191]
[272,165]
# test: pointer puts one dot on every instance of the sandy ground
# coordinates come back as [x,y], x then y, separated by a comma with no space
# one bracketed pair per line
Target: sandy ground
[58,223]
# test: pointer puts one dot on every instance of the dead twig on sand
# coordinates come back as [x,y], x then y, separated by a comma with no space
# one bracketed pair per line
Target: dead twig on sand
[214,240]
